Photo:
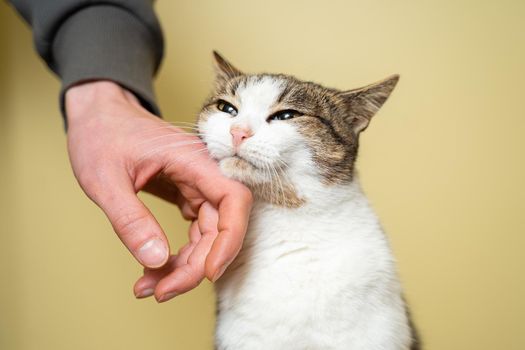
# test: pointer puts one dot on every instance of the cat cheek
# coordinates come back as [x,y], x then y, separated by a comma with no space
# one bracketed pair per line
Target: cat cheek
[286,139]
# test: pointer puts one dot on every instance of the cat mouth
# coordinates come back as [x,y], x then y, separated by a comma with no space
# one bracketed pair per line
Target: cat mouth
[243,162]
[240,169]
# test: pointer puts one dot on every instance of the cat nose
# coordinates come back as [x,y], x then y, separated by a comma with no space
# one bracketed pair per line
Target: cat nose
[240,134]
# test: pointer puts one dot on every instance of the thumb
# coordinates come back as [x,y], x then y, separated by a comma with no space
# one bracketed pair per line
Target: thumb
[134,224]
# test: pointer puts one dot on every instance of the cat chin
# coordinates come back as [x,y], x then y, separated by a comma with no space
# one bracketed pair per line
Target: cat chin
[278,192]
[241,170]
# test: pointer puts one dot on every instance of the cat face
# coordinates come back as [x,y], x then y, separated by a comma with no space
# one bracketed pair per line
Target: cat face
[273,131]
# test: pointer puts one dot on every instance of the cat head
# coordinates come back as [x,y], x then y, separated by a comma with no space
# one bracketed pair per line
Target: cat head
[280,135]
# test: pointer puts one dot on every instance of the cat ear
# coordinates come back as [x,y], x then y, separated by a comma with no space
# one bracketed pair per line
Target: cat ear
[224,70]
[363,103]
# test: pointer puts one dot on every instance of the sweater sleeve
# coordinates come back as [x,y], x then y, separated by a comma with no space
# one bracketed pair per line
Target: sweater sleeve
[83,40]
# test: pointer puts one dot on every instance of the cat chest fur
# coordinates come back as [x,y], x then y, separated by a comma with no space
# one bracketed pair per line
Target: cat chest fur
[315,277]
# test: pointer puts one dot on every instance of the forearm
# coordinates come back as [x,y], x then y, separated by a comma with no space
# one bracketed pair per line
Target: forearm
[119,41]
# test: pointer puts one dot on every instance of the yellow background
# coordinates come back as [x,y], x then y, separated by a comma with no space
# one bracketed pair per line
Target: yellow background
[443,164]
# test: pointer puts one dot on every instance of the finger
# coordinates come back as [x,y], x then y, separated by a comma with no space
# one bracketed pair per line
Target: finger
[202,179]
[208,220]
[134,224]
[234,205]
[187,212]
[145,285]
[184,254]
[189,276]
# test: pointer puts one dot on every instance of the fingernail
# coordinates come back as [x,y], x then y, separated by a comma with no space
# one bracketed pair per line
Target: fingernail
[145,293]
[153,253]
[219,273]
[166,297]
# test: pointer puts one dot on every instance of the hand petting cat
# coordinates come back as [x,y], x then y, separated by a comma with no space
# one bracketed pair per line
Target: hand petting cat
[117,148]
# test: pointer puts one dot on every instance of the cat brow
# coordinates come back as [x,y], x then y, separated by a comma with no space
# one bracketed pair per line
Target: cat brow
[233,87]
[286,91]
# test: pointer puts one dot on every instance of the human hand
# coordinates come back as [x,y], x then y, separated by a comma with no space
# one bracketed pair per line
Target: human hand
[116,149]
[185,270]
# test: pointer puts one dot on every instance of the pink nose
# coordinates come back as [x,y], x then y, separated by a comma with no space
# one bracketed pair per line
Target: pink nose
[239,135]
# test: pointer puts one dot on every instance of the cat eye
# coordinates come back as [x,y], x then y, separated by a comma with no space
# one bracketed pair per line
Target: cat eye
[226,107]
[284,115]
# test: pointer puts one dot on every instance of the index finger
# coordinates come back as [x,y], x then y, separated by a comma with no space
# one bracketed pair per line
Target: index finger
[233,202]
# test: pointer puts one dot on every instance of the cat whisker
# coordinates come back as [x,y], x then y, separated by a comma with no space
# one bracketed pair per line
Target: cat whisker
[182,122]
[178,122]
[172,129]
[272,171]
[283,195]
[282,164]
[216,140]
[193,126]
[270,178]
[174,135]
[175,145]
[171,125]
[274,182]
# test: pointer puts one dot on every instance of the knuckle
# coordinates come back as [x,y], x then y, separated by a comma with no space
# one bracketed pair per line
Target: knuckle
[94,181]
[127,224]
[191,280]
[187,212]
[246,194]
[87,179]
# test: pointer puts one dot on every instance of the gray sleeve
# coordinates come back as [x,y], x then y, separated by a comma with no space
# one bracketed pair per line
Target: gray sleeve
[82,40]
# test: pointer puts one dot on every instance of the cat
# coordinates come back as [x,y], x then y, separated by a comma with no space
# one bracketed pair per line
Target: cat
[315,270]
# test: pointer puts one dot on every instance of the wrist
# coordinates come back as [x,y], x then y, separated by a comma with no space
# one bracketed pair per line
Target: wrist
[85,98]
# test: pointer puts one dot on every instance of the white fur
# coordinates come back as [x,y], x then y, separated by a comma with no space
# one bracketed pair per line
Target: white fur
[320,276]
